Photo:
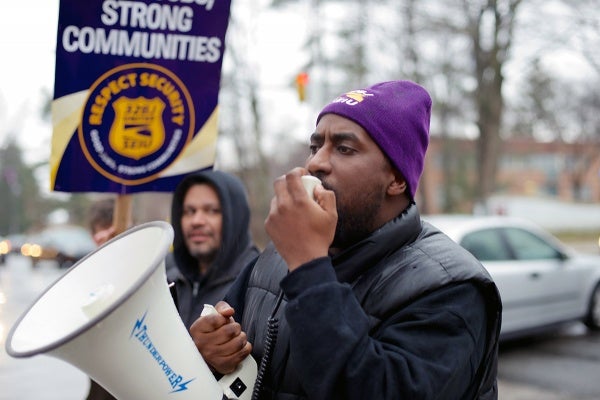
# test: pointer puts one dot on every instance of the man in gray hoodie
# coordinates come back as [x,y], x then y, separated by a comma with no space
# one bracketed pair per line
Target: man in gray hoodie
[210,216]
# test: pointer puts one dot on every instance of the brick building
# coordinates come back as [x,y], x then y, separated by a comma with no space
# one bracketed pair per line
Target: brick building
[565,171]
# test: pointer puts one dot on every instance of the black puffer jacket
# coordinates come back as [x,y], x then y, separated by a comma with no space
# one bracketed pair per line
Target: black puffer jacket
[237,248]
[403,314]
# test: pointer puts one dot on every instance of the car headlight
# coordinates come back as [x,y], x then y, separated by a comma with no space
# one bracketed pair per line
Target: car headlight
[36,250]
[26,249]
[4,247]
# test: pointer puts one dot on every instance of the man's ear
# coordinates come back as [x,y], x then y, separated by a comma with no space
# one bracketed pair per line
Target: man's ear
[398,186]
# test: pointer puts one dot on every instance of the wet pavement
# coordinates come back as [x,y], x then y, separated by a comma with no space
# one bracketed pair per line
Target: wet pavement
[39,377]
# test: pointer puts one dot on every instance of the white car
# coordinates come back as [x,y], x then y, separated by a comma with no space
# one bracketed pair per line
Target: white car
[541,281]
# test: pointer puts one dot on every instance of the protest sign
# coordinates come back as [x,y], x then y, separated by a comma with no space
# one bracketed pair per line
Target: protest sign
[136,93]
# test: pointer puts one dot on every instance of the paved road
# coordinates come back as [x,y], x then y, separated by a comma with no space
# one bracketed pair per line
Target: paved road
[565,362]
[39,377]
[45,378]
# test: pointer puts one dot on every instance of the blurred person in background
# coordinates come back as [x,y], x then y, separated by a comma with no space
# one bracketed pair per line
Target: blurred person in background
[210,216]
[100,217]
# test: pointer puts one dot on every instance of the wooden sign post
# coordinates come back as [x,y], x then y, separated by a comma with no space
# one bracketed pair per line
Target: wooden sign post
[122,219]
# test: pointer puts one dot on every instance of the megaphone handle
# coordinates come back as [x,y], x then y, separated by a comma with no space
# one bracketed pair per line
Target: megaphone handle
[238,384]
[208,309]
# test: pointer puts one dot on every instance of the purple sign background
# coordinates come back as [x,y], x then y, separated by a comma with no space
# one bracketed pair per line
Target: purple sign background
[135,83]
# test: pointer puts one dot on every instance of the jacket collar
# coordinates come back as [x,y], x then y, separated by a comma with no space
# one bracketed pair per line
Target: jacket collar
[397,233]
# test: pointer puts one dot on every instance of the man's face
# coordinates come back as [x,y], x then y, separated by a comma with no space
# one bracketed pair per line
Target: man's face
[202,222]
[349,162]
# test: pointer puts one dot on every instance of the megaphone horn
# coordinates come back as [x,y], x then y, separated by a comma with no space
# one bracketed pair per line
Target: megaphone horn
[112,316]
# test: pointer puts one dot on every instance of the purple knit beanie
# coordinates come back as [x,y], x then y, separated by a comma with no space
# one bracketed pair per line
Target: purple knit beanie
[396,115]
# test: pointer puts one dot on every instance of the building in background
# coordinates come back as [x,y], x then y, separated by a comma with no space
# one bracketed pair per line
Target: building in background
[569,172]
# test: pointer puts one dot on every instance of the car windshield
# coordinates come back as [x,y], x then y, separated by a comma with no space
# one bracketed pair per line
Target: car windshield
[502,244]
[71,240]
[486,245]
[527,246]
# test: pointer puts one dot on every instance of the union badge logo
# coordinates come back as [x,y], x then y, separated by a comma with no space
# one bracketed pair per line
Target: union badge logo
[136,122]
[137,130]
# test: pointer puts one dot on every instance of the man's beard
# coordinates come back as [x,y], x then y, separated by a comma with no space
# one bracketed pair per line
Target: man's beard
[356,217]
[204,256]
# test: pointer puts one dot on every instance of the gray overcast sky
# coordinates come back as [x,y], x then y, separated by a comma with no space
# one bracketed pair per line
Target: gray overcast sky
[28,40]
[27,43]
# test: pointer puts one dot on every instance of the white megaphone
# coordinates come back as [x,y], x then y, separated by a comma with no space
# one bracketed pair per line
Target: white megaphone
[112,316]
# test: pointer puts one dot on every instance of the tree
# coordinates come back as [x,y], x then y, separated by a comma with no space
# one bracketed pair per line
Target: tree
[534,113]
[22,207]
[490,26]
[587,21]
[239,99]
[427,26]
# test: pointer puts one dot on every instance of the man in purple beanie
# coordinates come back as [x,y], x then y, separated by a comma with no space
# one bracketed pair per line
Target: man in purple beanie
[356,297]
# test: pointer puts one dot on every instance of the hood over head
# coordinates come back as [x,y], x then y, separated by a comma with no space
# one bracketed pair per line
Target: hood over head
[236,237]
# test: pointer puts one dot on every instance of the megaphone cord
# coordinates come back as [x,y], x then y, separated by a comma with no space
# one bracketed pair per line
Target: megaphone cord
[270,340]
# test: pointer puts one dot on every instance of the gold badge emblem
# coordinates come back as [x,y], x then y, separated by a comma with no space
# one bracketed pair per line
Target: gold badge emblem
[137,130]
